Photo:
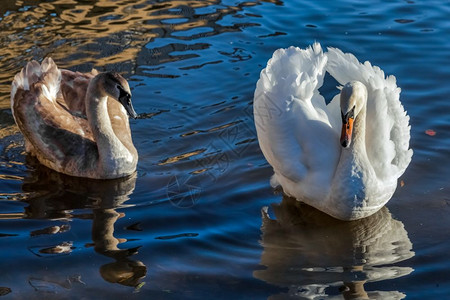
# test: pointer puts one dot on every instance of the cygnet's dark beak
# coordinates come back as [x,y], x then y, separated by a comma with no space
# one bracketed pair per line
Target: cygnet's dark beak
[125,99]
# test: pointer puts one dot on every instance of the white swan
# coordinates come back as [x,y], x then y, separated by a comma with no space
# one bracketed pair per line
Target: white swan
[343,158]
[75,123]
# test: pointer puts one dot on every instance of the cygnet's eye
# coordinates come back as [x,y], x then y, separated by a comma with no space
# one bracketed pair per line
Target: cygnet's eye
[125,99]
[122,92]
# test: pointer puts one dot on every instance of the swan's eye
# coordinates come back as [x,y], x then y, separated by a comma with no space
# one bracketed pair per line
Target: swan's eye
[349,115]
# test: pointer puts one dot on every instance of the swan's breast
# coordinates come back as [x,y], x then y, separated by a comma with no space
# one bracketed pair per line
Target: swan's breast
[354,178]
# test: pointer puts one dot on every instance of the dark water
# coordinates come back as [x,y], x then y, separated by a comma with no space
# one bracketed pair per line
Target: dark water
[192,224]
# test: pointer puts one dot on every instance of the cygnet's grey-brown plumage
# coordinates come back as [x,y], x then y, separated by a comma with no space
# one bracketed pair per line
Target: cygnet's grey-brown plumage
[75,123]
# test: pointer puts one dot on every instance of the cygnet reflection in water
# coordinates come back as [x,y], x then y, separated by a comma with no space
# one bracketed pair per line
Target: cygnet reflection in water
[53,195]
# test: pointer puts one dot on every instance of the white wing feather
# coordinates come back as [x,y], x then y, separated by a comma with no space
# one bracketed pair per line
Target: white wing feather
[387,125]
[292,119]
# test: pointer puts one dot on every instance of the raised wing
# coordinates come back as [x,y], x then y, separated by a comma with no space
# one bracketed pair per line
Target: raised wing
[387,125]
[291,117]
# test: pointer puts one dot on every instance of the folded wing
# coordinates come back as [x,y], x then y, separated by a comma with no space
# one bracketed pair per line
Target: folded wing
[51,131]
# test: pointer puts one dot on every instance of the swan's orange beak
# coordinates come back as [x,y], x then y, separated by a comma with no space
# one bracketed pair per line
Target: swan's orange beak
[347,129]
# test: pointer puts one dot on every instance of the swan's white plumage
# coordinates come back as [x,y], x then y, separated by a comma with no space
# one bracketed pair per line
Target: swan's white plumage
[299,134]
[387,128]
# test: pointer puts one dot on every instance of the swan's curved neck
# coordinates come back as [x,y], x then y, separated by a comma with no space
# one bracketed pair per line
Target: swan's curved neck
[350,178]
[110,149]
[359,131]
[356,153]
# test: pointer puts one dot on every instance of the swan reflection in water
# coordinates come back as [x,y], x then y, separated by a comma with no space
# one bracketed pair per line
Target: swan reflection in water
[57,196]
[317,257]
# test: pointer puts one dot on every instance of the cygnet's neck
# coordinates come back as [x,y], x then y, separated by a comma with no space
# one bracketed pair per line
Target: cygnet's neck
[110,149]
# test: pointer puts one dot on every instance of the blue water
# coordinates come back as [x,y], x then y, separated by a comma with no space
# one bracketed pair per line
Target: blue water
[192,224]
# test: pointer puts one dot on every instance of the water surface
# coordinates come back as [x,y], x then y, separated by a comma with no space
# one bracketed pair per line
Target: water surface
[200,220]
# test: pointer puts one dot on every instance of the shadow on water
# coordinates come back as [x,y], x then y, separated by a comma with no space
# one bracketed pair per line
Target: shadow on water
[54,196]
[316,256]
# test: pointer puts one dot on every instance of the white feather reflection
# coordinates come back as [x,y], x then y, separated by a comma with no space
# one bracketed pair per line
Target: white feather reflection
[316,256]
